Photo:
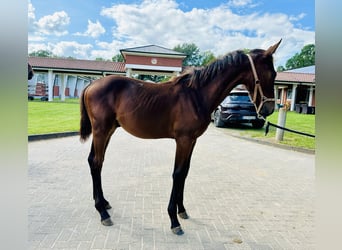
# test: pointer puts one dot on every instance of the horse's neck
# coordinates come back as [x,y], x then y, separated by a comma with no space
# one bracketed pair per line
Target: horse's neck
[214,92]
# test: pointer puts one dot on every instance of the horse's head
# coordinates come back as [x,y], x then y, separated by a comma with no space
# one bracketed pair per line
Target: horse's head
[263,73]
[29,72]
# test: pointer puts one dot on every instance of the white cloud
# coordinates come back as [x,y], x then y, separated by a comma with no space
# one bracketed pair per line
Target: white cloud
[55,24]
[36,38]
[72,48]
[94,30]
[37,31]
[239,3]
[107,50]
[63,48]
[298,17]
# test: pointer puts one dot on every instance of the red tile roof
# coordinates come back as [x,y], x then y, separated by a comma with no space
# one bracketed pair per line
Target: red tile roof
[295,77]
[76,64]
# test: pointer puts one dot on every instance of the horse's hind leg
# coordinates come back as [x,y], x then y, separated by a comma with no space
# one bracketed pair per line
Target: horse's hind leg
[95,160]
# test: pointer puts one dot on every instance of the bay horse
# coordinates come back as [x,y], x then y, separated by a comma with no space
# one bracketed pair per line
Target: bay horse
[179,109]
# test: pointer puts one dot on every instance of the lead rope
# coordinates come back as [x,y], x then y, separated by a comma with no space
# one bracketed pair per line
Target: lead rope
[268,124]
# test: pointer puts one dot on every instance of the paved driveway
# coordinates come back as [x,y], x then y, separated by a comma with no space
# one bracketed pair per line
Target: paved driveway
[239,195]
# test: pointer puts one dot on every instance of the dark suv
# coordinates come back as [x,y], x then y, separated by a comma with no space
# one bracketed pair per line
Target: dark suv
[236,108]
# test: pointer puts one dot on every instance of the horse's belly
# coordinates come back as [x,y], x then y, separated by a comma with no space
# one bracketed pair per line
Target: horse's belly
[146,129]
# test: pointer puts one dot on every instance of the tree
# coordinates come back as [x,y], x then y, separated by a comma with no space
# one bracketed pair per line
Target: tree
[280,68]
[303,59]
[101,59]
[118,58]
[42,53]
[193,57]
[207,57]
[47,53]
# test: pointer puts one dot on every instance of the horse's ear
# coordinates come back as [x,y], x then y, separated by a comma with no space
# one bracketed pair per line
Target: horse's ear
[270,51]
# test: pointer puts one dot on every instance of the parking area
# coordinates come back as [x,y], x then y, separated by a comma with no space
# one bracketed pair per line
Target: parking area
[239,195]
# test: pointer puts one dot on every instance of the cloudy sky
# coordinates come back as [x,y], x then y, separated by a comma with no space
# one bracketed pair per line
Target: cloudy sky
[100,28]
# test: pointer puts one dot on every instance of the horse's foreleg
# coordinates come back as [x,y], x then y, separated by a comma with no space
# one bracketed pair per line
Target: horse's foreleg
[95,160]
[182,163]
[181,209]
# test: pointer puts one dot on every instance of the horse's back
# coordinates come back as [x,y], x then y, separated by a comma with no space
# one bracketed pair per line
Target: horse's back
[108,84]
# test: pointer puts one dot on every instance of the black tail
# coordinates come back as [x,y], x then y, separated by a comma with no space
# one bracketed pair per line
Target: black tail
[85,125]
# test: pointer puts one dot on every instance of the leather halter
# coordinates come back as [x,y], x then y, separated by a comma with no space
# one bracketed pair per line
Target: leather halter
[258,89]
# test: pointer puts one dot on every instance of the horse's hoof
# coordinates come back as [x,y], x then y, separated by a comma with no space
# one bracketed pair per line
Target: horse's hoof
[183,215]
[177,230]
[108,206]
[107,222]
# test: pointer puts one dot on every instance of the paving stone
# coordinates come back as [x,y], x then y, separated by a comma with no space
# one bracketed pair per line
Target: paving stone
[239,195]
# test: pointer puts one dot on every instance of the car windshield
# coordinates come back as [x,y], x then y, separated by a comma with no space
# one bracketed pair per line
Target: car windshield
[237,97]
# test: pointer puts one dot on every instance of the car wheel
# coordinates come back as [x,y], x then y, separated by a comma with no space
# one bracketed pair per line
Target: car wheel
[217,119]
[258,123]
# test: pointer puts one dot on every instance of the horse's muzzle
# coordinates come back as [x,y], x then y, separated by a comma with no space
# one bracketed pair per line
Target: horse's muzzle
[267,108]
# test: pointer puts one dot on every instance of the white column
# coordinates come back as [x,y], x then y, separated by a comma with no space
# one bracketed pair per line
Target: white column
[310,96]
[293,99]
[79,86]
[72,80]
[64,80]
[129,72]
[50,85]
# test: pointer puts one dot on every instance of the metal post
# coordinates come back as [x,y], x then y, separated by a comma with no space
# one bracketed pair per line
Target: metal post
[281,123]
[276,97]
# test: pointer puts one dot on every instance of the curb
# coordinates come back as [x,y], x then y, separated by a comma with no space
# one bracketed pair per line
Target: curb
[51,136]
[287,147]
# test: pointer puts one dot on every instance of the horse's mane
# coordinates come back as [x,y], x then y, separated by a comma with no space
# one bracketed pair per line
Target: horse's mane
[183,78]
[198,77]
